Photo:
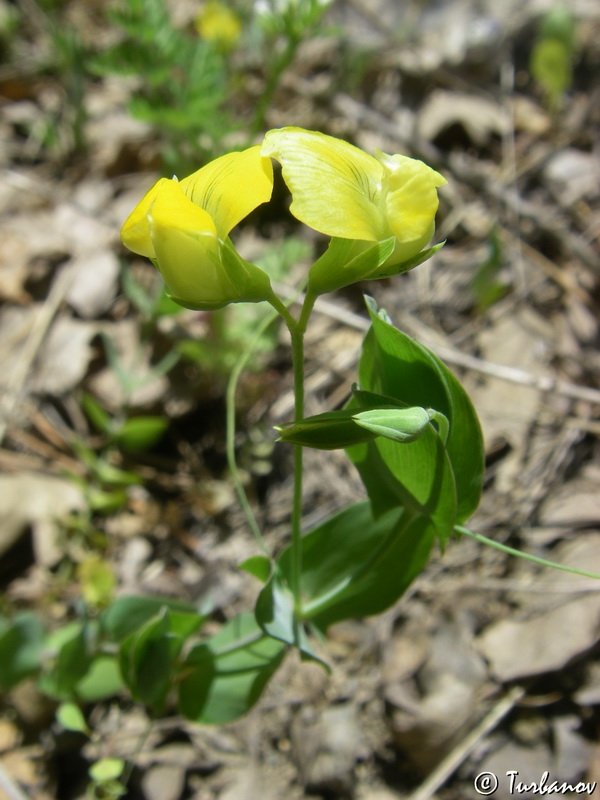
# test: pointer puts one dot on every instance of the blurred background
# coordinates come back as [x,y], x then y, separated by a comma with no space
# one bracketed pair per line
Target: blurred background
[114,476]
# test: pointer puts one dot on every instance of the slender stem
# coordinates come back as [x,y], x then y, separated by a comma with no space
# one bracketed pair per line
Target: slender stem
[297,332]
[275,71]
[296,552]
[230,437]
[519,553]
[282,310]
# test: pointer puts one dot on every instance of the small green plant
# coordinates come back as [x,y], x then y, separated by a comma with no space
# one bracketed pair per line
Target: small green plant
[408,427]
[552,57]
[282,26]
[61,54]
[485,285]
[182,80]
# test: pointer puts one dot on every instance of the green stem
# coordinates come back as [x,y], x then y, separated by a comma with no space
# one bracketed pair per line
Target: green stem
[514,552]
[297,332]
[296,548]
[275,71]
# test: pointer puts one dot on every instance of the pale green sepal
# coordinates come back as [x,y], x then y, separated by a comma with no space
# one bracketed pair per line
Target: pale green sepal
[441,423]
[398,424]
[347,261]
[241,282]
[331,430]
[389,270]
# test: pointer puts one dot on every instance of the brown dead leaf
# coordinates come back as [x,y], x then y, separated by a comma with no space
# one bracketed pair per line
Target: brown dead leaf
[553,629]
[10,736]
[163,782]
[29,499]
[327,747]
[63,360]
[13,267]
[478,116]
[94,284]
[450,682]
[547,642]
[135,362]
[506,410]
[575,175]
[575,503]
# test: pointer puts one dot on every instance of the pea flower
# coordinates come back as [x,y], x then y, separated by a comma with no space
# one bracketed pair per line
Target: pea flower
[183,227]
[379,210]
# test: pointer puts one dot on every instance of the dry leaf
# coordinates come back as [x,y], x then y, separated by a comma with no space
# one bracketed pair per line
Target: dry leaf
[479,117]
[95,282]
[36,501]
[63,360]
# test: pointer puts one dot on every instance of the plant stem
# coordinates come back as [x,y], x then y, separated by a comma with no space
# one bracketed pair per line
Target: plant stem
[230,437]
[296,552]
[274,72]
[479,537]
[297,332]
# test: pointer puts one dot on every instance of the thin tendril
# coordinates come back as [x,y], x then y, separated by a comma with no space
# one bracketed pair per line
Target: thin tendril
[279,309]
[513,552]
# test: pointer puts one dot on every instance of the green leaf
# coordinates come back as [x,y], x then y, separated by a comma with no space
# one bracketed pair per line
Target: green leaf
[21,647]
[101,681]
[110,475]
[276,615]
[148,655]
[550,65]
[127,614]
[71,718]
[227,674]
[107,769]
[258,566]
[141,433]
[71,662]
[146,658]
[398,424]
[397,366]
[97,579]
[354,565]
[103,502]
[98,416]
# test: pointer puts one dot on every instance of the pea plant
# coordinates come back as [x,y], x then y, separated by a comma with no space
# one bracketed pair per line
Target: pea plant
[408,427]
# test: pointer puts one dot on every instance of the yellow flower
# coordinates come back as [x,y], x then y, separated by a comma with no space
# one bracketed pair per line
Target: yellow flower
[183,226]
[219,24]
[383,206]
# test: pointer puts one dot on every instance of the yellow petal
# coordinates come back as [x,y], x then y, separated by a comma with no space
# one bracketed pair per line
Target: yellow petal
[230,187]
[200,270]
[334,185]
[135,233]
[186,247]
[217,23]
[410,196]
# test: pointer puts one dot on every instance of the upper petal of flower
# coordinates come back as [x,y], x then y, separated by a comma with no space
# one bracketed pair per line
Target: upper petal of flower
[334,185]
[409,192]
[230,187]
